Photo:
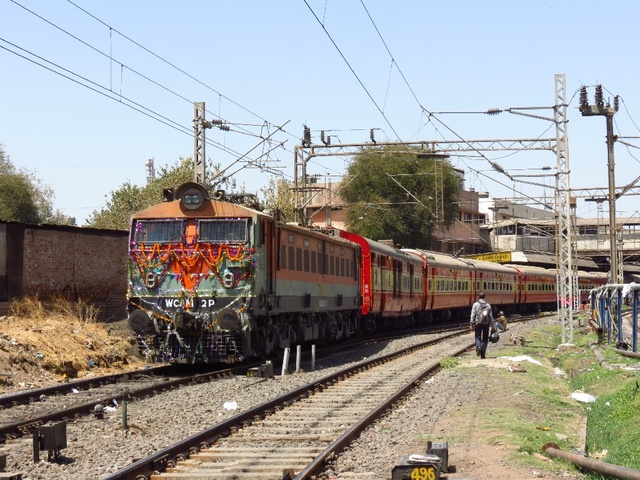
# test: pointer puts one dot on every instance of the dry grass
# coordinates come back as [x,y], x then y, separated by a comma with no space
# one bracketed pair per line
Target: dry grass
[61,337]
[57,307]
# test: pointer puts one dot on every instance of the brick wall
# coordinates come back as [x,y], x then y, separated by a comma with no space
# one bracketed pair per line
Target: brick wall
[78,263]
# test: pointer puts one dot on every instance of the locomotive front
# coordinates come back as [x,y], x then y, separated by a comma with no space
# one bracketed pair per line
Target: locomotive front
[192,269]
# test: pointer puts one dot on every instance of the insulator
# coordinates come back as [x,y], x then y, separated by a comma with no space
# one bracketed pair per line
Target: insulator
[599,97]
[372,136]
[322,137]
[226,128]
[493,111]
[306,136]
[497,167]
[616,103]
[583,98]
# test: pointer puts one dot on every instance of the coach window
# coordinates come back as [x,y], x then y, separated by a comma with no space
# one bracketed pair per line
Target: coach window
[283,256]
[299,259]
[306,260]
[313,262]
[320,258]
[331,265]
[352,263]
[292,258]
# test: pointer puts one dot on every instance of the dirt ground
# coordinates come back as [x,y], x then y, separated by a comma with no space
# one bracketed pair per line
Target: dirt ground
[477,457]
[36,353]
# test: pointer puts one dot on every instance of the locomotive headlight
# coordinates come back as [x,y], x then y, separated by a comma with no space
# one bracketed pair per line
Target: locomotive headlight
[228,279]
[192,200]
[192,196]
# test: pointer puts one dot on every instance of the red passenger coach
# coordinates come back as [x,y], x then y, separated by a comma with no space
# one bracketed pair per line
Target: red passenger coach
[448,289]
[537,287]
[588,281]
[392,282]
[498,282]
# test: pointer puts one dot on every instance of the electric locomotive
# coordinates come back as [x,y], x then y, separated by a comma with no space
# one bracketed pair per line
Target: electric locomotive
[213,281]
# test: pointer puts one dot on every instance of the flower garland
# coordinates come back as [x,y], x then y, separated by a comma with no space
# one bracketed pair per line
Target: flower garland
[191,265]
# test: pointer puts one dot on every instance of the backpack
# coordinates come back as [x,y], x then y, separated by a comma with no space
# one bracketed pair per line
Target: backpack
[485,314]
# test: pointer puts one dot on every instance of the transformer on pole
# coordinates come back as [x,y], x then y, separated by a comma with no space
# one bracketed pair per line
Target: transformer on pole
[606,110]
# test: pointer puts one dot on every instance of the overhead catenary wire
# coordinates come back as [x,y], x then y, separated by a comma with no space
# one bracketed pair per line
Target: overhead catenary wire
[162,59]
[97,88]
[423,109]
[352,70]
[128,101]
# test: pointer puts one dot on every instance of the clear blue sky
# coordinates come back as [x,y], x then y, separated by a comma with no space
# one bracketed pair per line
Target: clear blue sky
[256,61]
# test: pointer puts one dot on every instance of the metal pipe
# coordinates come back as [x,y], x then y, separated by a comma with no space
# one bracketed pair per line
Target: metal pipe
[626,353]
[591,464]
[601,360]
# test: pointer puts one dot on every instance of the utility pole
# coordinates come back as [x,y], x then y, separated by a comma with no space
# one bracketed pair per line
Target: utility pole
[199,156]
[599,108]
[496,210]
[151,171]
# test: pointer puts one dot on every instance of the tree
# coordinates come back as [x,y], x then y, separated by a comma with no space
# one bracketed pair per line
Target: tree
[25,198]
[278,196]
[16,200]
[391,196]
[129,198]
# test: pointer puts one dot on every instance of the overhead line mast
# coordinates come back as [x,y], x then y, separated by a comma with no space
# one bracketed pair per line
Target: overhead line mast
[564,228]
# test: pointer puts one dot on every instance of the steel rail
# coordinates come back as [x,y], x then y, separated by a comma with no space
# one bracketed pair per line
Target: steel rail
[33,395]
[22,427]
[336,447]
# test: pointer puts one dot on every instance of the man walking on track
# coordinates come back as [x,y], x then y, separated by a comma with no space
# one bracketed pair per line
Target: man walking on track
[481,321]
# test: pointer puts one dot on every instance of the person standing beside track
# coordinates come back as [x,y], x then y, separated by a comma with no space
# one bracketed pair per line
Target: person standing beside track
[481,320]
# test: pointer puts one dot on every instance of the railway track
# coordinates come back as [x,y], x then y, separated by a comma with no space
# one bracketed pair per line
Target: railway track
[23,412]
[53,402]
[37,394]
[297,433]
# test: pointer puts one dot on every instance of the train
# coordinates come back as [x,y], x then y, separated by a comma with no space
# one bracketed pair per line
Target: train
[215,281]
